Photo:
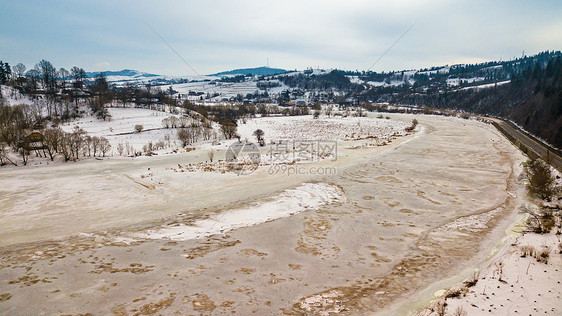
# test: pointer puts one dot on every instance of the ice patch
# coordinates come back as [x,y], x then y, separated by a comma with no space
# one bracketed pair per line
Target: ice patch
[309,196]
[472,223]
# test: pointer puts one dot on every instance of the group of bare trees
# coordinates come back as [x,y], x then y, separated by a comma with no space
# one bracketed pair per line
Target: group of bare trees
[14,123]
[194,133]
[228,129]
[55,142]
[60,89]
[74,144]
[175,122]
[191,128]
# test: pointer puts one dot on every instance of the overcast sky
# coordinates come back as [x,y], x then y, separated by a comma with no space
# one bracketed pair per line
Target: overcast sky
[214,36]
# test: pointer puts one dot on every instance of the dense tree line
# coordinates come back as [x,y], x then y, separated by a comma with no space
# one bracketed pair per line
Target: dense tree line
[333,80]
[533,99]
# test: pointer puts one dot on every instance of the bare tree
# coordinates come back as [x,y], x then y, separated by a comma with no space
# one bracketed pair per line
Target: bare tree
[540,221]
[88,140]
[32,77]
[228,129]
[63,74]
[105,146]
[65,147]
[19,70]
[182,122]
[139,128]
[259,136]
[328,111]
[20,143]
[206,133]
[195,133]
[48,74]
[4,155]
[120,149]
[22,150]
[174,121]
[79,76]
[51,139]
[184,136]
[95,144]
[166,122]
[76,141]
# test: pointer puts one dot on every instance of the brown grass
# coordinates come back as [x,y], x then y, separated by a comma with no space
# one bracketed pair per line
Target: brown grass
[528,251]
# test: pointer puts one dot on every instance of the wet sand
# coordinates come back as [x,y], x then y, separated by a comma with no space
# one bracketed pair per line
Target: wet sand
[415,212]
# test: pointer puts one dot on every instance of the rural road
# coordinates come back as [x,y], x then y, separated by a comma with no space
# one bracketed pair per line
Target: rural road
[538,147]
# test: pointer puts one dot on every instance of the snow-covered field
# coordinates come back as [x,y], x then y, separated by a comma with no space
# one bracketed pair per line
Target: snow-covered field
[488,85]
[223,89]
[324,128]
[457,81]
[524,279]
[121,127]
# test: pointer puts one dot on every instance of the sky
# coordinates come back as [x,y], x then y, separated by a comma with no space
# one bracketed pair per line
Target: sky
[216,35]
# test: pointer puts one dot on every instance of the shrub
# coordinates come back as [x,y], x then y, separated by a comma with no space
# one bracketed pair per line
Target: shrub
[460,311]
[541,221]
[541,181]
[547,221]
[412,127]
[527,251]
[440,308]
[473,280]
[457,292]
[139,128]
[543,255]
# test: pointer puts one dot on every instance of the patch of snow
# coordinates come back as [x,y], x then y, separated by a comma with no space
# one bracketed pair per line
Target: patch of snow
[309,196]
[488,85]
[325,128]
[13,96]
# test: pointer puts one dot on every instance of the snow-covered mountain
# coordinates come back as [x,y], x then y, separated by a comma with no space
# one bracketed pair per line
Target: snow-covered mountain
[259,71]
[122,73]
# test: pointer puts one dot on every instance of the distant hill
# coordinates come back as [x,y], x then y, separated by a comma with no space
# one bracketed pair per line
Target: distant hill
[124,73]
[260,71]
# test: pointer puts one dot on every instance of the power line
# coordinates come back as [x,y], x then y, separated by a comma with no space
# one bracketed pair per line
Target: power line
[175,52]
[391,46]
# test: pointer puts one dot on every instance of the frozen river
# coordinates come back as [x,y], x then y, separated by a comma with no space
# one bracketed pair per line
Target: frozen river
[405,215]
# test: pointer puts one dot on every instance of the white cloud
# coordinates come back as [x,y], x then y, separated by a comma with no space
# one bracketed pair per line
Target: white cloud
[219,35]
